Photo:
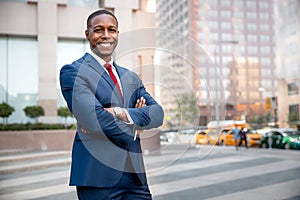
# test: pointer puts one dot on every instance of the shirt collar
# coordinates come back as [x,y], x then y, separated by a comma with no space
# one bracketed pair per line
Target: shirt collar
[101,61]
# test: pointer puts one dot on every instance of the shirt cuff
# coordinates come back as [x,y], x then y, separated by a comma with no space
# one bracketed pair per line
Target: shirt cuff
[130,121]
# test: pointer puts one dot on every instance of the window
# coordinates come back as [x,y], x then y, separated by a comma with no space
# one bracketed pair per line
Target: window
[67,52]
[238,4]
[225,14]
[252,38]
[265,61]
[225,3]
[86,3]
[238,14]
[265,38]
[263,5]
[16,93]
[226,36]
[265,50]
[263,16]
[266,72]
[294,113]
[252,27]
[252,50]
[251,15]
[293,88]
[251,4]
[264,27]
[213,13]
[225,26]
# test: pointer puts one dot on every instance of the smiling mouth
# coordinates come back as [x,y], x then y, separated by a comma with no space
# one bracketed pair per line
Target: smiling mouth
[105,45]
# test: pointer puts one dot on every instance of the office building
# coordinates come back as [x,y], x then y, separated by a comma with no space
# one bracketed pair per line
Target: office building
[37,37]
[232,52]
[287,28]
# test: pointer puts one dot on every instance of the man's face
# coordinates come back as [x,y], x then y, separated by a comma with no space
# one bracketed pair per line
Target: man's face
[103,36]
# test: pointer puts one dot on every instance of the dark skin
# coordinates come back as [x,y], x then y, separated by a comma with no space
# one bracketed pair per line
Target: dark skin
[102,34]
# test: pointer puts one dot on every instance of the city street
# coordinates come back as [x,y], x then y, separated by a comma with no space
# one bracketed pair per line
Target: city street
[178,171]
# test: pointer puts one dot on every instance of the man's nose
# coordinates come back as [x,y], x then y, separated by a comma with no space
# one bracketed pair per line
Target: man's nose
[105,34]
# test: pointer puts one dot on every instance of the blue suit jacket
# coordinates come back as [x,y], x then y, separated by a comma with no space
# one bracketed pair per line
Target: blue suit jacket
[99,157]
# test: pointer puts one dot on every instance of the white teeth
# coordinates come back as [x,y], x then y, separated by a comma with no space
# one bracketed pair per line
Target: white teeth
[105,44]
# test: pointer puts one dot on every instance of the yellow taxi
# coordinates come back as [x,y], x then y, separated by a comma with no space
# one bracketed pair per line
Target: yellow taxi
[202,137]
[253,138]
[217,131]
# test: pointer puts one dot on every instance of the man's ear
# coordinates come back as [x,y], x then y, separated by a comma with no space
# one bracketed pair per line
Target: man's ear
[87,34]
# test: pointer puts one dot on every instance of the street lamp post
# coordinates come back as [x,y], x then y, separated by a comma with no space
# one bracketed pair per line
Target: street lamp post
[217,103]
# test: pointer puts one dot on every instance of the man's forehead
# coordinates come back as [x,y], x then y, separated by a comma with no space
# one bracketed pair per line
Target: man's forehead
[104,19]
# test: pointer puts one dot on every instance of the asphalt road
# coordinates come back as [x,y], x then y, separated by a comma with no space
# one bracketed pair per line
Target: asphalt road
[176,172]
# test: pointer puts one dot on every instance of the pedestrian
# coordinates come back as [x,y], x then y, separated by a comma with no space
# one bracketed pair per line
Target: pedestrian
[236,137]
[243,136]
[110,103]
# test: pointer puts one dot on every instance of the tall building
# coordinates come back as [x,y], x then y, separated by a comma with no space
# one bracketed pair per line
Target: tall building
[37,37]
[234,55]
[287,18]
[176,56]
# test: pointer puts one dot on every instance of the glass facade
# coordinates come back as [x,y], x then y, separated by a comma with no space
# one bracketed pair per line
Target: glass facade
[19,75]
[67,52]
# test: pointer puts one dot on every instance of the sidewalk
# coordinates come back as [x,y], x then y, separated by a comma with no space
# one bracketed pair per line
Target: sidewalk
[18,160]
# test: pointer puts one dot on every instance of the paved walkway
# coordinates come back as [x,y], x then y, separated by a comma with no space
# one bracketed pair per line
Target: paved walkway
[177,172]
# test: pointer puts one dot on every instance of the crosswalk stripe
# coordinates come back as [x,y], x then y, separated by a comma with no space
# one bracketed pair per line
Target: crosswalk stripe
[33,179]
[33,165]
[197,165]
[286,190]
[34,155]
[186,162]
[39,192]
[188,183]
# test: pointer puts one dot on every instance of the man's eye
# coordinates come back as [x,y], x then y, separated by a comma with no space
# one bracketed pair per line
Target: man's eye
[113,30]
[98,30]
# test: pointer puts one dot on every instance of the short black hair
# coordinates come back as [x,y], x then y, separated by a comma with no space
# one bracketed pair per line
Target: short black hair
[99,12]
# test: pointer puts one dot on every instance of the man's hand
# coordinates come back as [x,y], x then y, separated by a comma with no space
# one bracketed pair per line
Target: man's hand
[139,104]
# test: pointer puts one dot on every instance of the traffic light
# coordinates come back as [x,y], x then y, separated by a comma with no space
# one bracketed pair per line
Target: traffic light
[268,104]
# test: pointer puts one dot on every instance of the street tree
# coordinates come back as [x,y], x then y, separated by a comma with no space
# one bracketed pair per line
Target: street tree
[64,112]
[188,109]
[34,112]
[5,111]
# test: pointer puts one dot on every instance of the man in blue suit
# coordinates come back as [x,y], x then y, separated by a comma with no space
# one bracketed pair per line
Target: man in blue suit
[111,105]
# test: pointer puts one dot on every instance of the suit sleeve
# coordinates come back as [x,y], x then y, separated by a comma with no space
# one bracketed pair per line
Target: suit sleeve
[88,111]
[150,116]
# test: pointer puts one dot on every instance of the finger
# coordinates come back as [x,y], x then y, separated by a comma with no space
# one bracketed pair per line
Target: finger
[138,102]
[83,130]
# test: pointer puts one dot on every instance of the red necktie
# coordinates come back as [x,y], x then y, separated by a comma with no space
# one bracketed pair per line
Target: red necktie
[112,76]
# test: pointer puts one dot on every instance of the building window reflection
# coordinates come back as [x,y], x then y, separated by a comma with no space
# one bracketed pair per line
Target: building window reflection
[19,80]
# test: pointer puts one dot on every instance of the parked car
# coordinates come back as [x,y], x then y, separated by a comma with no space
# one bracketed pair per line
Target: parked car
[202,137]
[281,138]
[169,136]
[217,131]
[187,135]
[253,138]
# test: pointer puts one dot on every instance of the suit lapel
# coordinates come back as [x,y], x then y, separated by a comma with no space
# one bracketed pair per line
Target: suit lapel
[93,63]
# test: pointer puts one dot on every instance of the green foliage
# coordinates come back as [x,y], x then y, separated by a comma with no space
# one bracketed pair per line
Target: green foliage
[34,111]
[38,126]
[64,112]
[5,110]
[188,108]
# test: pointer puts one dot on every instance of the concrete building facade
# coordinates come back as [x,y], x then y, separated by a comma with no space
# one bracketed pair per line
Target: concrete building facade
[287,17]
[37,37]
